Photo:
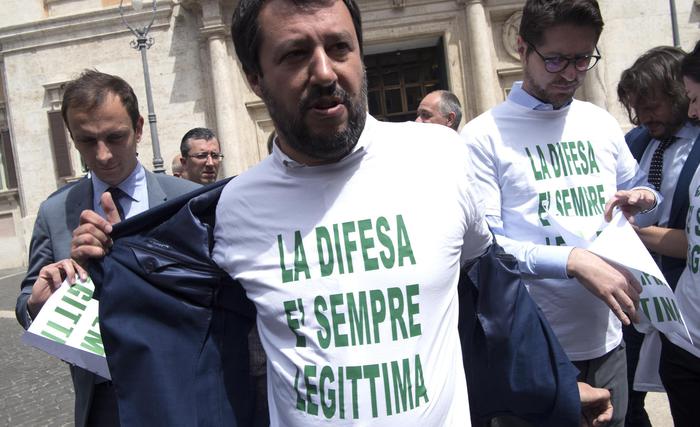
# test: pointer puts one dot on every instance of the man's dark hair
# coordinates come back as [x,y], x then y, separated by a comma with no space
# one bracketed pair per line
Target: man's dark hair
[196,133]
[690,66]
[449,103]
[541,15]
[246,34]
[89,90]
[656,73]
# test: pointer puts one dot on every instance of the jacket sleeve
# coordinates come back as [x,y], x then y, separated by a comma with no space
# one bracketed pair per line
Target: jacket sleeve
[40,254]
[513,361]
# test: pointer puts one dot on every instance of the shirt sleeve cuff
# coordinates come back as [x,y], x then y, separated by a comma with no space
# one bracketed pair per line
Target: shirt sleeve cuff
[550,261]
[649,216]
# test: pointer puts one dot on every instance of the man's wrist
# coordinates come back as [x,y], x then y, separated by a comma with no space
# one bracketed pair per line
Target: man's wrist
[653,194]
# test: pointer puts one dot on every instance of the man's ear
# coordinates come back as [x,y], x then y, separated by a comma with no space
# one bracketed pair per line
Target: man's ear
[522,48]
[139,129]
[183,161]
[254,82]
[451,118]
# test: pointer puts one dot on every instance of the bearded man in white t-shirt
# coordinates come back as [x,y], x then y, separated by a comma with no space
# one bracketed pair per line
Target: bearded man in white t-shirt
[542,154]
[351,258]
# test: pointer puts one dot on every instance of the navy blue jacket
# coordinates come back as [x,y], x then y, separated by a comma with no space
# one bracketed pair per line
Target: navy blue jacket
[175,328]
[638,140]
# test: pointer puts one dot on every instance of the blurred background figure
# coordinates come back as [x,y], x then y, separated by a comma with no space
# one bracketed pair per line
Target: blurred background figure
[201,156]
[441,107]
[177,167]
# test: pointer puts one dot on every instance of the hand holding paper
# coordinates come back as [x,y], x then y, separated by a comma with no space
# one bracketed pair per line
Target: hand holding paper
[614,285]
[49,280]
[68,327]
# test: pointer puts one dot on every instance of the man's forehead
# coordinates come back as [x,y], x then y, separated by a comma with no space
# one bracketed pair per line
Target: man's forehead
[202,141]
[300,12]
[569,38]
[649,98]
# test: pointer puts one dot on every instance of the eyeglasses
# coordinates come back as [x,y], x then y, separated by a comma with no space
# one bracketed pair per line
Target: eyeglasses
[556,64]
[205,155]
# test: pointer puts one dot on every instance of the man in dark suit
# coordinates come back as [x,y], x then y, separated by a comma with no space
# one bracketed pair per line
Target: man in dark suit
[102,116]
[665,143]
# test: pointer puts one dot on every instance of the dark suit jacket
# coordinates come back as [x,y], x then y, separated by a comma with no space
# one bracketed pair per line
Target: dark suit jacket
[57,218]
[175,328]
[638,140]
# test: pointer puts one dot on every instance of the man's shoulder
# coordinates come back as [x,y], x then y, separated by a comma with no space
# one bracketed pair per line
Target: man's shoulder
[171,184]
[413,130]
[58,197]
[421,139]
[489,118]
[637,133]
[578,106]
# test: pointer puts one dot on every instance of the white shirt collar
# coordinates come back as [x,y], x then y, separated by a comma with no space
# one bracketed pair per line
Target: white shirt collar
[134,186]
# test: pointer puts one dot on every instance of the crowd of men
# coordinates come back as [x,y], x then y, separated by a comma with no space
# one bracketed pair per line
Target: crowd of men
[348,209]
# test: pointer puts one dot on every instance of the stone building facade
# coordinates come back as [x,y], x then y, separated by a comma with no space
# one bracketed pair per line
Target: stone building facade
[411,47]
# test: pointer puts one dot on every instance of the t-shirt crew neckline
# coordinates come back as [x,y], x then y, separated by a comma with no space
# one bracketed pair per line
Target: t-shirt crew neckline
[290,165]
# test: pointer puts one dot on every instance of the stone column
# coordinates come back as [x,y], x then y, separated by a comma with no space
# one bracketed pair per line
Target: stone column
[224,76]
[481,67]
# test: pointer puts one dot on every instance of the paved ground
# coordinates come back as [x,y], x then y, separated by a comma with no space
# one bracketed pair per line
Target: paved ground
[36,388]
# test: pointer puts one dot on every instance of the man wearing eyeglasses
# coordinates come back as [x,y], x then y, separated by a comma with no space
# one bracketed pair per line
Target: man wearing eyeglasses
[542,154]
[201,155]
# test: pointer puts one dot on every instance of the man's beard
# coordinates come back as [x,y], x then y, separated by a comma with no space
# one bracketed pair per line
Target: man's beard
[543,95]
[297,134]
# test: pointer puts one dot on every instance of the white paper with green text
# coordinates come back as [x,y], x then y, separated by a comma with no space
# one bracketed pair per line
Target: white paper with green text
[619,243]
[68,327]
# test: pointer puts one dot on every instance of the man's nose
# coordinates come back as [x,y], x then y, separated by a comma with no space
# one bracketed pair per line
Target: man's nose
[693,112]
[103,153]
[322,72]
[643,115]
[570,73]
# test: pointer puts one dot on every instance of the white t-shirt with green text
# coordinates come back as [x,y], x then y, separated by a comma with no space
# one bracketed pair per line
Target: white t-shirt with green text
[353,268]
[688,287]
[569,162]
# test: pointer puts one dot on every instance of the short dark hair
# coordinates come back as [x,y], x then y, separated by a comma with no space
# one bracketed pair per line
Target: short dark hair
[196,133]
[656,72]
[89,90]
[245,30]
[690,66]
[449,103]
[540,15]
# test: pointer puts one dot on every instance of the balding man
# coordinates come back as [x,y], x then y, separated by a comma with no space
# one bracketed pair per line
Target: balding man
[441,107]
[177,168]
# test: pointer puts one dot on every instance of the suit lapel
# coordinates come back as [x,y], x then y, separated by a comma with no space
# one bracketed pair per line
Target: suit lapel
[78,199]
[156,195]
[638,139]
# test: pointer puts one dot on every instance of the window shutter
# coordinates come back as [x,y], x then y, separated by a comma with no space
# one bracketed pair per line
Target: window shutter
[8,158]
[59,143]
